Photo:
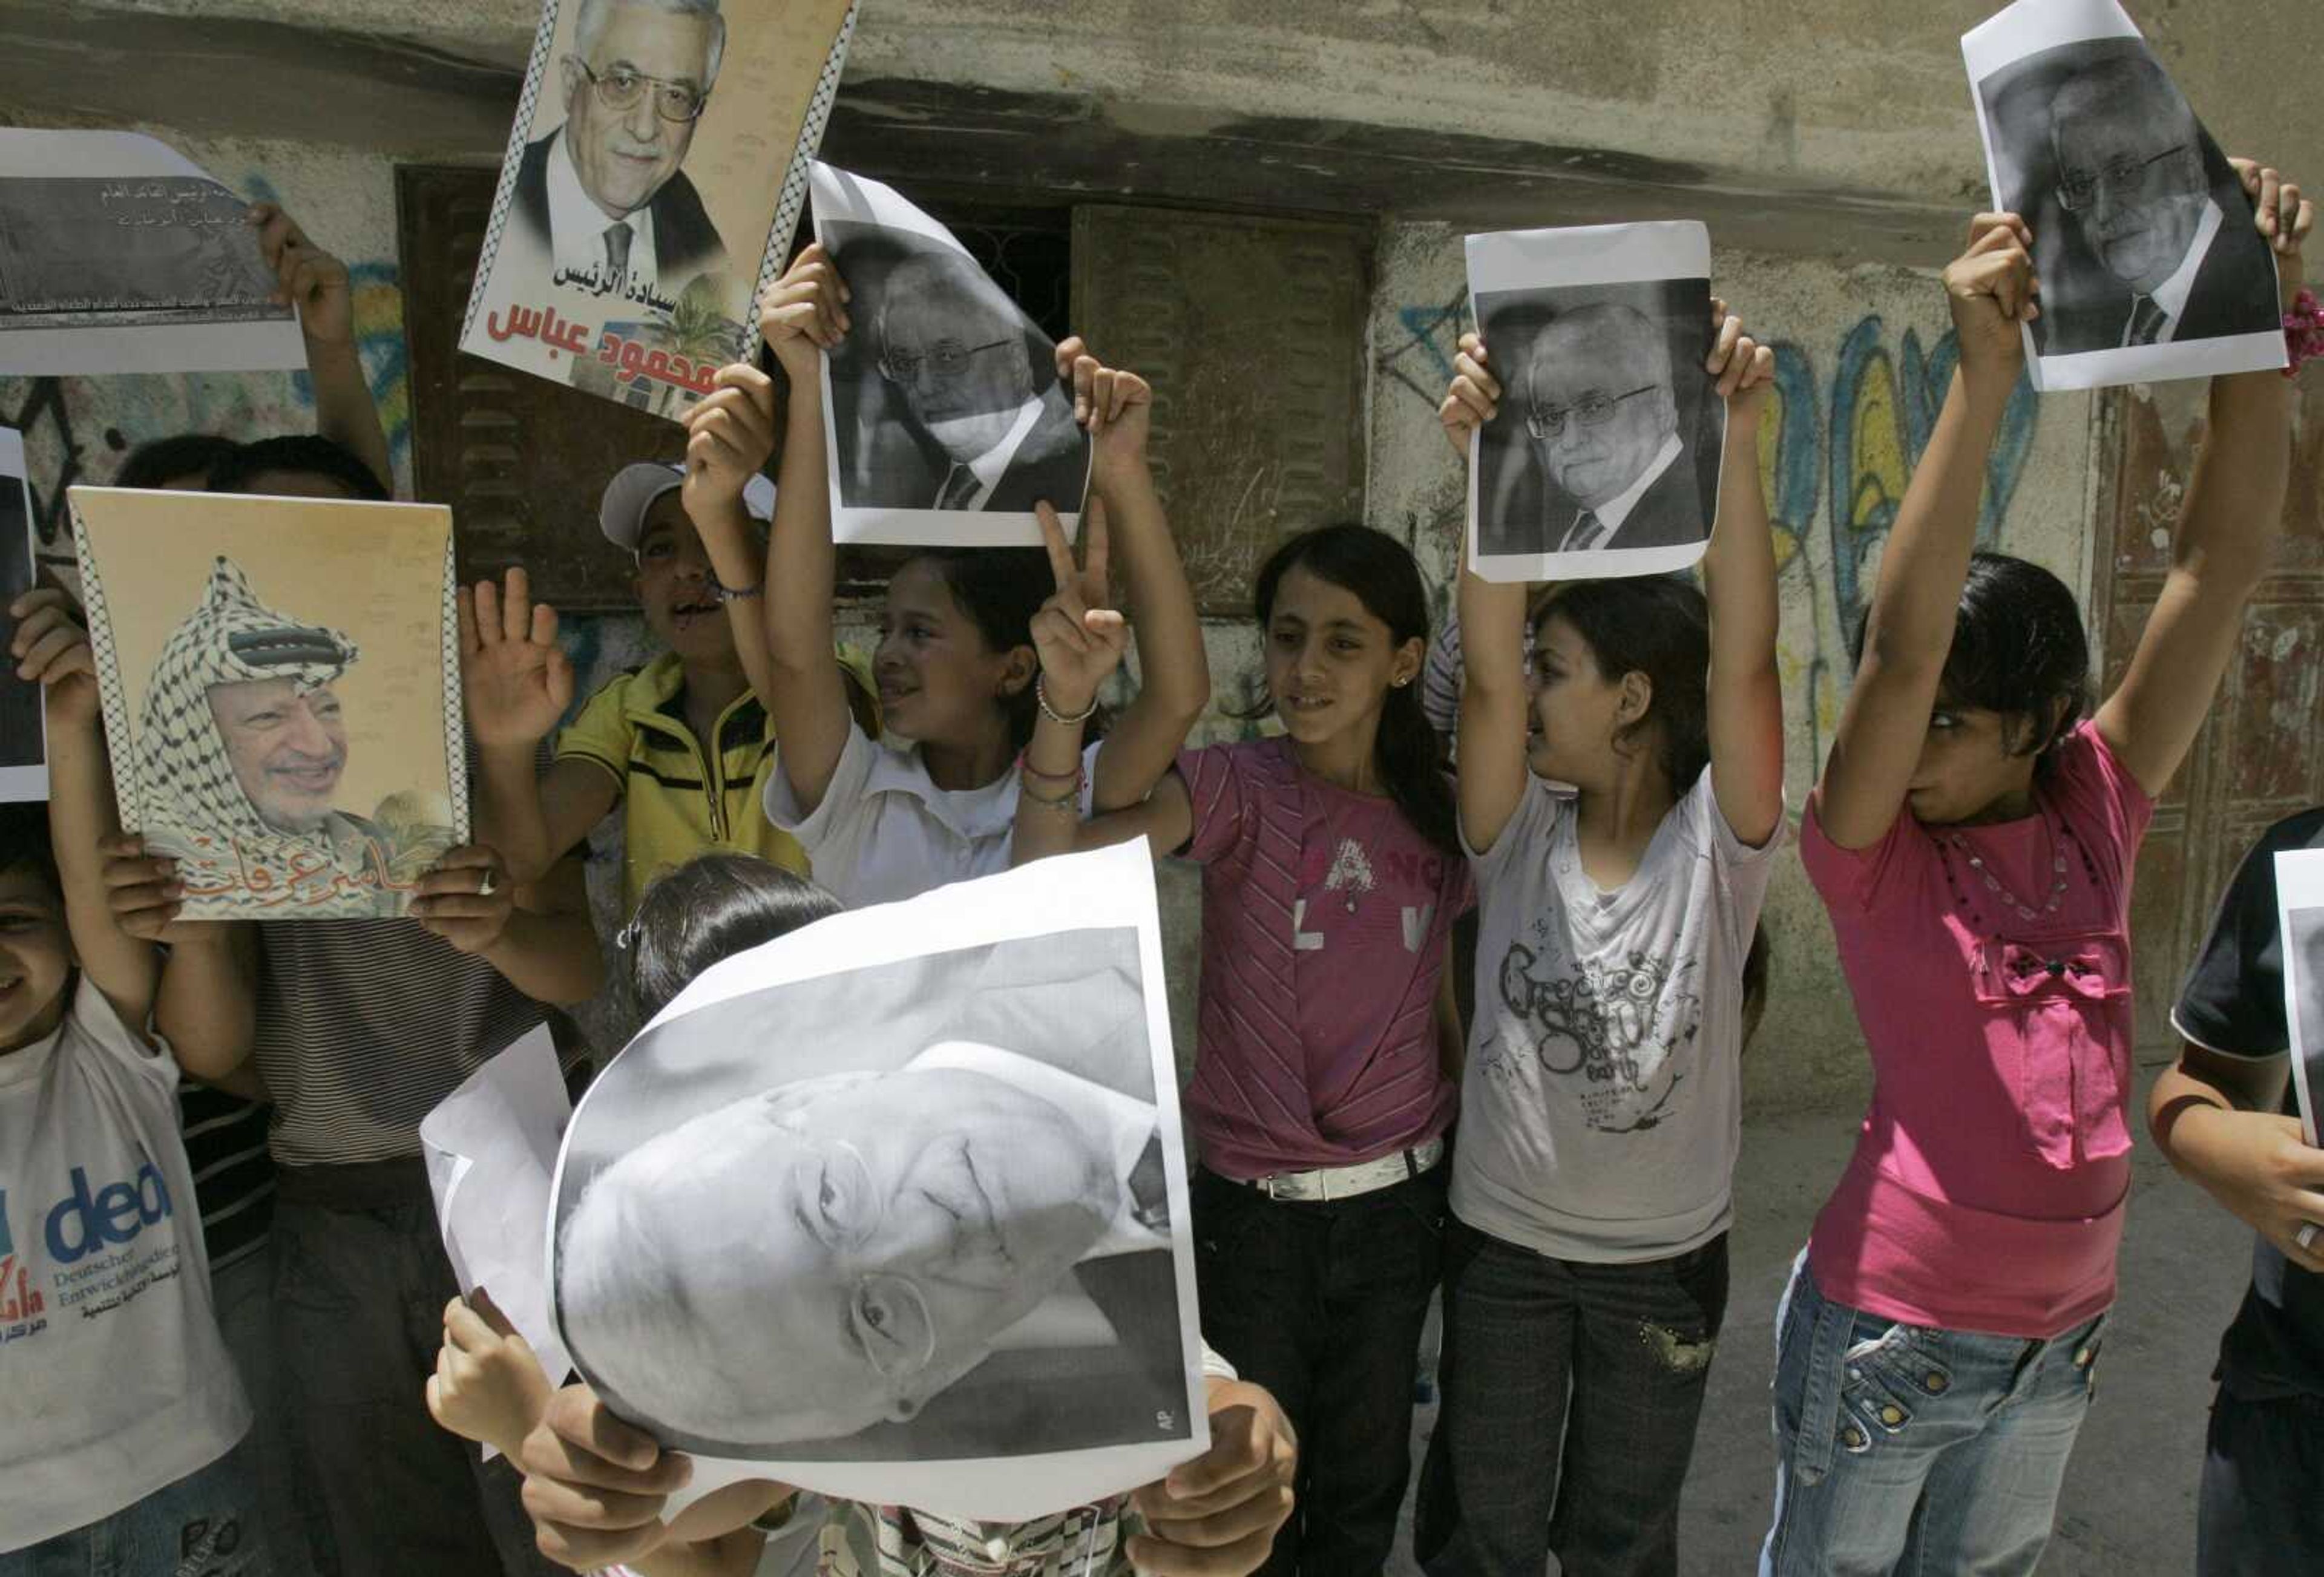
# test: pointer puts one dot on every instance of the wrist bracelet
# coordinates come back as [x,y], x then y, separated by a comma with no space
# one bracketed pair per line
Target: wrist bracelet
[1025,765]
[1071,797]
[729,594]
[1041,696]
[2303,332]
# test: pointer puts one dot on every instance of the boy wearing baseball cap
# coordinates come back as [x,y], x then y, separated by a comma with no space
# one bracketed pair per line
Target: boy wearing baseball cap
[682,744]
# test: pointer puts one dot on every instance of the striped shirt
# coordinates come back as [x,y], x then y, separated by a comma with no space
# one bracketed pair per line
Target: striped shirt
[363,1026]
[1440,676]
[234,1175]
[1325,917]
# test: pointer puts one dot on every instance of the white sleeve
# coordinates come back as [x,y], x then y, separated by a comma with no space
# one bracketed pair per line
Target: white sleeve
[92,1012]
[833,833]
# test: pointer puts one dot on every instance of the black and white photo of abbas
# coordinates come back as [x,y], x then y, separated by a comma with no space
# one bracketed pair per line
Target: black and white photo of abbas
[1609,439]
[2142,233]
[605,193]
[241,747]
[945,394]
[909,1212]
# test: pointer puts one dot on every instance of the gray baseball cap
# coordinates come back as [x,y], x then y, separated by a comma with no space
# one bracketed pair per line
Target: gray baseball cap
[621,514]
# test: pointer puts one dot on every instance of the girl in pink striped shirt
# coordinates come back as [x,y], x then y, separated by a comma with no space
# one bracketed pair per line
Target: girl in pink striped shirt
[1324,1077]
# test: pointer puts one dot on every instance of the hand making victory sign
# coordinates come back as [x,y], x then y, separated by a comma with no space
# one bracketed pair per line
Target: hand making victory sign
[1080,635]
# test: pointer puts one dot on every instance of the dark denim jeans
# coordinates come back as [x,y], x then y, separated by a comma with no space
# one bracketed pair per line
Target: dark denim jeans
[1571,1395]
[360,1285]
[2260,1470]
[207,1524]
[1322,1303]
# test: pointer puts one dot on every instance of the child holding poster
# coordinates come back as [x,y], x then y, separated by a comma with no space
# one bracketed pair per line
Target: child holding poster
[1974,837]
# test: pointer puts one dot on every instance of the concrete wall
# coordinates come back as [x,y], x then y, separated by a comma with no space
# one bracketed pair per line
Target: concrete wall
[1814,134]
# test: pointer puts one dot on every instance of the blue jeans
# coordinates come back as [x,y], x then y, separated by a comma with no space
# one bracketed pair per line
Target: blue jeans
[1572,1391]
[1904,1449]
[1322,1303]
[206,1524]
[2262,1466]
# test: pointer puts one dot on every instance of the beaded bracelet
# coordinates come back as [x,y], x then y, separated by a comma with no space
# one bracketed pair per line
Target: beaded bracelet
[1071,799]
[1041,698]
[2303,331]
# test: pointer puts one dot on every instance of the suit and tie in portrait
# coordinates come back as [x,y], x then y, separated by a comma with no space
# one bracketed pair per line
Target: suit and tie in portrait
[604,194]
[2142,236]
[945,396]
[1596,447]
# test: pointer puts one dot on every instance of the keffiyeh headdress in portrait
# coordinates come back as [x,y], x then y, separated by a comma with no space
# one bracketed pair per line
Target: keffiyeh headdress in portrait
[193,798]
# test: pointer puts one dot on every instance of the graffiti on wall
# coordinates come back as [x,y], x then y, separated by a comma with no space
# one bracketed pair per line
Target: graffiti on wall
[1842,437]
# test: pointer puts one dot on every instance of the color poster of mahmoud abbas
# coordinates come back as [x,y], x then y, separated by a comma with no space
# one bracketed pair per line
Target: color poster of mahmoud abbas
[280,681]
[654,176]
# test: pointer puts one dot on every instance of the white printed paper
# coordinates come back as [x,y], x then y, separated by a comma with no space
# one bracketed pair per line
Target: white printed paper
[119,255]
[491,1147]
[944,417]
[2299,913]
[894,1207]
[2143,240]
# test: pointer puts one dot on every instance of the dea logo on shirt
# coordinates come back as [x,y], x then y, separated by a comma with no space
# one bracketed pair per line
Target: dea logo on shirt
[88,1219]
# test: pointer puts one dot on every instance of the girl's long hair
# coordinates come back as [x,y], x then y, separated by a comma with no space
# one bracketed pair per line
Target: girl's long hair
[1380,572]
[1658,625]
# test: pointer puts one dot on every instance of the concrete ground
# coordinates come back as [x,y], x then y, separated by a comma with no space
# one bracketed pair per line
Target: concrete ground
[2129,1502]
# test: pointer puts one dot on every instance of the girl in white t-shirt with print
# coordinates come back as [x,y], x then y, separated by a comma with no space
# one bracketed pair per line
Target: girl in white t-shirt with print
[1602,1109]
[958,678]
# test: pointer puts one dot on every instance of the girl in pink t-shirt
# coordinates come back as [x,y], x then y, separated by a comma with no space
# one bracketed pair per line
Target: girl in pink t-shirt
[1602,1109]
[1974,840]
[1324,1075]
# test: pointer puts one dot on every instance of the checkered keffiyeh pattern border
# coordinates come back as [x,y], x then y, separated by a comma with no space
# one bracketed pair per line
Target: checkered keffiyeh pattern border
[455,717]
[793,195]
[536,69]
[113,700]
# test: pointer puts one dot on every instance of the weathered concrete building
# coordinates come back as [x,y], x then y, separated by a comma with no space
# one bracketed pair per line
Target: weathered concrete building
[1262,205]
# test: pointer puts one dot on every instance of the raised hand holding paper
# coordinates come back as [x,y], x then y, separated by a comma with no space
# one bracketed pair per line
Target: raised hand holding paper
[118,254]
[947,423]
[1604,457]
[643,201]
[491,1147]
[281,686]
[2143,241]
[894,1208]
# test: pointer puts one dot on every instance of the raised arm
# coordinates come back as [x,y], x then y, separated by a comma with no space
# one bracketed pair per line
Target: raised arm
[2226,534]
[51,649]
[317,284]
[1991,289]
[1494,696]
[517,683]
[806,696]
[1745,692]
[729,438]
[1173,675]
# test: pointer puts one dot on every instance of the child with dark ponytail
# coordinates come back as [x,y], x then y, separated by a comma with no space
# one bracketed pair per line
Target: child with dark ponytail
[1326,1074]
